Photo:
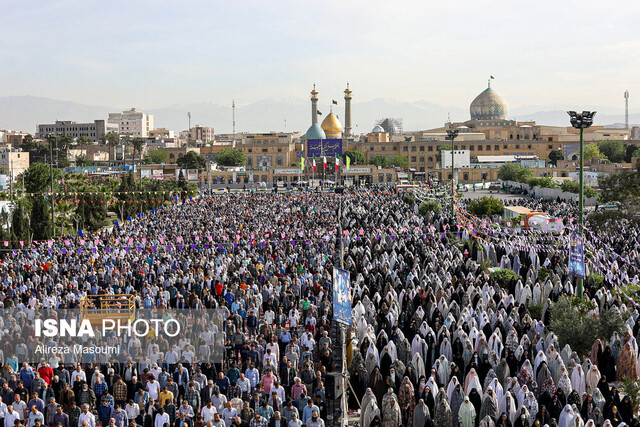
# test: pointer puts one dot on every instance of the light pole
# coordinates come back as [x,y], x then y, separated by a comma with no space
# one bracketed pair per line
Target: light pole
[452,134]
[581,121]
[53,217]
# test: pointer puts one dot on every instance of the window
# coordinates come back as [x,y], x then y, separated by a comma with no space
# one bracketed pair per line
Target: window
[279,150]
[505,146]
[422,148]
[430,148]
[250,150]
[431,158]
[413,158]
[479,147]
[413,148]
[264,150]
[529,146]
[422,159]
[517,146]
[384,148]
[497,147]
[465,176]
[404,148]
[488,148]
[395,148]
[550,146]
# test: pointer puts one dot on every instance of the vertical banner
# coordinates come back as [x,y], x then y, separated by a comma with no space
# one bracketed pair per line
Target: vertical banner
[341,296]
[576,256]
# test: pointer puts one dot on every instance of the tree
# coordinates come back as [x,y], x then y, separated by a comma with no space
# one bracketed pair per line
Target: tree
[443,147]
[573,323]
[138,145]
[158,156]
[622,187]
[192,160]
[612,150]
[574,187]
[554,156]
[40,218]
[231,157]
[485,206]
[110,138]
[37,179]
[357,158]
[91,212]
[82,160]
[381,161]
[20,222]
[592,151]
[399,161]
[514,172]
[83,140]
[430,206]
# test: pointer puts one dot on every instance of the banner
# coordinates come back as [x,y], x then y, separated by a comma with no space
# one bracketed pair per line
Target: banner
[576,256]
[341,296]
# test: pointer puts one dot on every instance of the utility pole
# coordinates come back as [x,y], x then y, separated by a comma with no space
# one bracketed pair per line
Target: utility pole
[233,112]
[11,181]
[581,121]
[53,215]
[452,134]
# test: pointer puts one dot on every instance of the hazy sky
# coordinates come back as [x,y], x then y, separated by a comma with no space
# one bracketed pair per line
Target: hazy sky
[156,53]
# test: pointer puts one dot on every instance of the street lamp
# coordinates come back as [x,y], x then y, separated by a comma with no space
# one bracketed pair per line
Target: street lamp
[452,134]
[581,121]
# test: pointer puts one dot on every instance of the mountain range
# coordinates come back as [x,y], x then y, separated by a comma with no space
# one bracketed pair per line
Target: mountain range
[276,114]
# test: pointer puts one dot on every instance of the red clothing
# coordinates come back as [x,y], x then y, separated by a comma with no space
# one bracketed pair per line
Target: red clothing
[46,374]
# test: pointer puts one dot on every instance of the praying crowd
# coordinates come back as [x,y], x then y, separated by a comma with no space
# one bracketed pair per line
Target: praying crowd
[434,341]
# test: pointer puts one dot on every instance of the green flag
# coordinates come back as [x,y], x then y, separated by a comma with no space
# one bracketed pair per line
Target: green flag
[348,162]
[302,164]
[334,102]
[319,113]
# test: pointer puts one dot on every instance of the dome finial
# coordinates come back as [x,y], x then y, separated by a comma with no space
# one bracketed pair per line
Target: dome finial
[489,81]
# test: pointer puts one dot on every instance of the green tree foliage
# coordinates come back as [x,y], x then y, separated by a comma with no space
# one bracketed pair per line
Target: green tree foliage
[110,138]
[514,172]
[91,213]
[399,161]
[554,156]
[356,156]
[20,222]
[40,218]
[37,179]
[592,151]
[545,182]
[612,150]
[485,206]
[82,160]
[574,325]
[623,187]
[574,187]
[157,156]
[408,199]
[504,277]
[229,157]
[382,161]
[430,206]
[138,145]
[37,151]
[443,147]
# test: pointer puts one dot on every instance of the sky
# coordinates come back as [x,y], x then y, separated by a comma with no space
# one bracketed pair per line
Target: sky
[151,54]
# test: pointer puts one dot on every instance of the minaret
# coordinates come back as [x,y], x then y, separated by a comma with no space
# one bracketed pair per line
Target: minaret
[314,105]
[347,112]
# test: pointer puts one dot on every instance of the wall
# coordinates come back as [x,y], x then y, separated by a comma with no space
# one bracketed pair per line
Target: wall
[553,193]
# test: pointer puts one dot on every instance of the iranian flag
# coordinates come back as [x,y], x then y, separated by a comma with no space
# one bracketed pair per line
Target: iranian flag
[337,161]
[314,163]
[324,161]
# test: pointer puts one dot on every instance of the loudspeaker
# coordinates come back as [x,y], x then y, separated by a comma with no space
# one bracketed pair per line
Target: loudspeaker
[333,385]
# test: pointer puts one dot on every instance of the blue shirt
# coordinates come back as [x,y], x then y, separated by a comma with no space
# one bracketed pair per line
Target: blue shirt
[306,413]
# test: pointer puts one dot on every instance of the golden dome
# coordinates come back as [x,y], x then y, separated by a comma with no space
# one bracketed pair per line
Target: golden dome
[331,126]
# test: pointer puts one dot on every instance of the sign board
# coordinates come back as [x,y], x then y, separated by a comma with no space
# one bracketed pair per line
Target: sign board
[158,174]
[4,180]
[324,147]
[299,154]
[286,171]
[145,173]
[250,176]
[192,174]
[355,170]
[341,296]
[576,256]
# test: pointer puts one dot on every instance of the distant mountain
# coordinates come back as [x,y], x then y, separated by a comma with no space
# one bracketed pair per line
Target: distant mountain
[26,112]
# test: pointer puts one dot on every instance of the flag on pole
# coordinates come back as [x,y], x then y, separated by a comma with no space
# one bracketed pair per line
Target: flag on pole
[337,161]
[302,164]
[319,112]
[314,163]
[334,102]
[324,160]
[348,162]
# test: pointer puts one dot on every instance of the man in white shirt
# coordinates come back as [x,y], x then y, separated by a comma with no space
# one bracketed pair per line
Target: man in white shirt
[87,416]
[153,387]
[162,418]
[208,412]
[78,375]
[10,416]
[132,409]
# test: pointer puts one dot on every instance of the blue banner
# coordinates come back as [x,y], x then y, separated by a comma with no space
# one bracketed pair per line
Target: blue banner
[576,256]
[341,296]
[324,147]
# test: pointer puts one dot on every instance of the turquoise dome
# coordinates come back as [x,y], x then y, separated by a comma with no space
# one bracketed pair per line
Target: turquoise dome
[315,132]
